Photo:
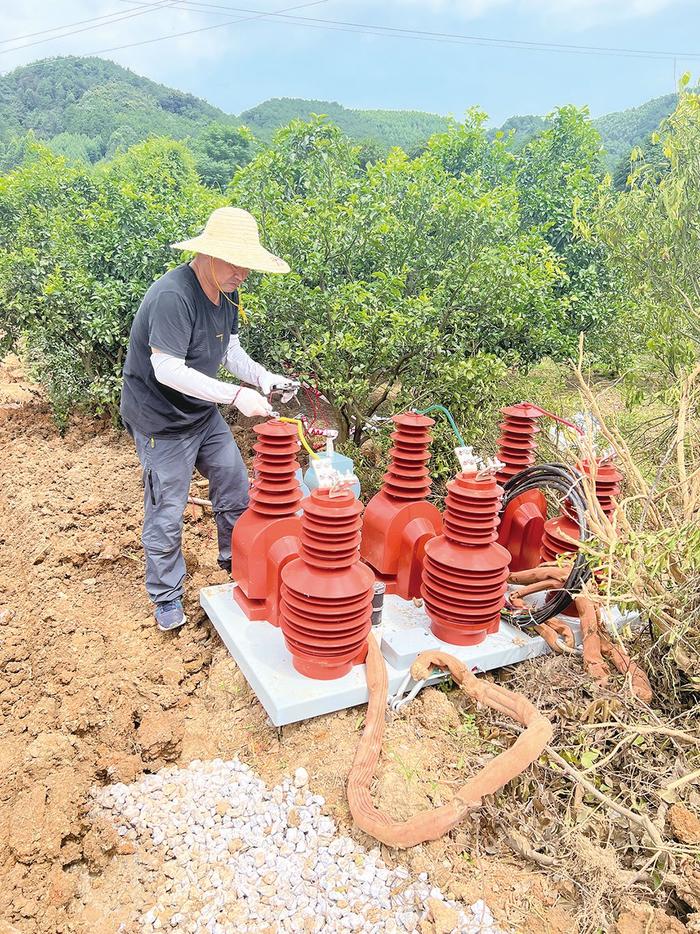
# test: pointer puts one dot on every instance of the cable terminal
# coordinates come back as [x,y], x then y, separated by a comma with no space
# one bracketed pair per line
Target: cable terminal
[331,479]
[490,468]
[469,462]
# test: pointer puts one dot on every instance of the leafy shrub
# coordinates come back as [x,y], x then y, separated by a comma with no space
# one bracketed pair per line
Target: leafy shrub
[409,283]
[78,249]
[652,233]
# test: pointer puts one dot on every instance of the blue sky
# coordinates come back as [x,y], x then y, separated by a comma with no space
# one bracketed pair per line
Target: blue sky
[242,63]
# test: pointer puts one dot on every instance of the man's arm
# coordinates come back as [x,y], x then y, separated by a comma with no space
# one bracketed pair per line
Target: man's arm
[244,367]
[173,372]
[240,364]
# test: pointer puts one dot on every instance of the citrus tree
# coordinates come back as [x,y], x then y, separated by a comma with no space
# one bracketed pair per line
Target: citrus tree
[408,282]
[653,232]
[78,249]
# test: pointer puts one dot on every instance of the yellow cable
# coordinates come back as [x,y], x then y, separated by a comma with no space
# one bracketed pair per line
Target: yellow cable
[302,438]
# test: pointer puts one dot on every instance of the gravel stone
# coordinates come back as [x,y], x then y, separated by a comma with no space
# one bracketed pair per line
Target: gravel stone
[243,858]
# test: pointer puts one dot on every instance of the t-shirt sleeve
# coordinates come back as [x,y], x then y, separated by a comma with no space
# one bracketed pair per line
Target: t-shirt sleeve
[170,324]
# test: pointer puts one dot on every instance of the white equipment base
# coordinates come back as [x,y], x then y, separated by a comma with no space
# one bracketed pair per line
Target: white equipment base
[288,696]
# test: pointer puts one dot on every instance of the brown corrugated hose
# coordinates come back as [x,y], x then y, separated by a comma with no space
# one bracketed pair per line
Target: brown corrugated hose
[432,824]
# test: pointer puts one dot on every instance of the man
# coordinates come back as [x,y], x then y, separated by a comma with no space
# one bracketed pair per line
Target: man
[184,330]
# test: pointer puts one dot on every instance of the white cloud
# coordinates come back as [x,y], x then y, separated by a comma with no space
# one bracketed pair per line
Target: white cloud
[124,25]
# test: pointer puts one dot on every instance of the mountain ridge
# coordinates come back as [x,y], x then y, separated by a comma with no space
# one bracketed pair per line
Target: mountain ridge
[104,105]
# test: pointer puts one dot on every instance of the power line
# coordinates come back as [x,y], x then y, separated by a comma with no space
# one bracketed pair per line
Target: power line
[79,22]
[425,35]
[160,5]
[190,32]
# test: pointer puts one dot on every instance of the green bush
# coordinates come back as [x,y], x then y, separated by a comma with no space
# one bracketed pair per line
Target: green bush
[652,232]
[410,284]
[78,249]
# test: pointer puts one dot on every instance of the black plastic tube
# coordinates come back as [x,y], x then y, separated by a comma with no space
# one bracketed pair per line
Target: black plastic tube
[569,482]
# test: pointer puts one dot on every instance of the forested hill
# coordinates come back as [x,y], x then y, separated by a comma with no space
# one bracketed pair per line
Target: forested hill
[619,131]
[95,97]
[91,107]
[405,128]
[622,131]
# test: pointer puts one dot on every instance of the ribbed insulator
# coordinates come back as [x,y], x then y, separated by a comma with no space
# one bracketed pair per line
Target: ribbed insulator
[408,477]
[275,491]
[465,572]
[326,607]
[554,539]
[607,484]
[517,445]
[607,488]
[559,530]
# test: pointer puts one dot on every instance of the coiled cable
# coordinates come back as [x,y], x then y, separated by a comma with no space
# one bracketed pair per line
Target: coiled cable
[569,482]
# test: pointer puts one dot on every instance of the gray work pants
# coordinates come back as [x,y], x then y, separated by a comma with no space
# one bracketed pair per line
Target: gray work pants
[168,464]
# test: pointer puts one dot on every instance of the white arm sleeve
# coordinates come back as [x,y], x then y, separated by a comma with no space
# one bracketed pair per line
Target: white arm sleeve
[173,372]
[240,364]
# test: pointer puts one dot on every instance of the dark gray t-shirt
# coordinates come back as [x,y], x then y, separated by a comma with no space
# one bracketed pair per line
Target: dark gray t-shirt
[176,317]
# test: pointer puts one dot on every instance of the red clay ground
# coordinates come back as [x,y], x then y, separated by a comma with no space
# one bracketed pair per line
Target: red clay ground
[91,692]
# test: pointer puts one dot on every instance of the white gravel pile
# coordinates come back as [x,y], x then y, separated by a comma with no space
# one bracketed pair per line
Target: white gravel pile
[242,858]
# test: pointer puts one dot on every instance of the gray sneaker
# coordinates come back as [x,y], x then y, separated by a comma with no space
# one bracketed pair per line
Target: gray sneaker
[170,615]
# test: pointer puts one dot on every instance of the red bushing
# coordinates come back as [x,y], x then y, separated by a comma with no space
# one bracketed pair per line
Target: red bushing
[522,522]
[517,445]
[266,536]
[398,521]
[559,531]
[465,572]
[326,593]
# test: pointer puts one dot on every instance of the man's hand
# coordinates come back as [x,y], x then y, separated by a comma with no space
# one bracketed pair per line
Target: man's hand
[269,381]
[251,403]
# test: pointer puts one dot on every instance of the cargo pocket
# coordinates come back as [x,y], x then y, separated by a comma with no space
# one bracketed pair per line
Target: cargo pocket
[150,488]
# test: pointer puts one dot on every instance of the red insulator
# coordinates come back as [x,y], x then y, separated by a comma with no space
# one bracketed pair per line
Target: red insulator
[326,606]
[522,522]
[607,484]
[398,520]
[517,445]
[266,535]
[559,531]
[464,571]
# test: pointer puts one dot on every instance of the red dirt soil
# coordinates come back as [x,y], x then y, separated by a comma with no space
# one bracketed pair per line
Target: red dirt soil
[91,693]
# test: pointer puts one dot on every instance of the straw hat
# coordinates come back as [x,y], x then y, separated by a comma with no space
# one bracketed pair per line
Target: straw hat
[231,234]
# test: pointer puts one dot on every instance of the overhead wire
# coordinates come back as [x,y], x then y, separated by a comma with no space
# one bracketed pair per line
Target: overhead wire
[151,8]
[190,32]
[427,35]
[79,22]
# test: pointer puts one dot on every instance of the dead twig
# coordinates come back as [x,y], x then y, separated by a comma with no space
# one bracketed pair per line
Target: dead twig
[639,819]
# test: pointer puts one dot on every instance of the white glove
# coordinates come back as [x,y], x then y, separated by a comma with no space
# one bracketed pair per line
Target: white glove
[269,381]
[251,403]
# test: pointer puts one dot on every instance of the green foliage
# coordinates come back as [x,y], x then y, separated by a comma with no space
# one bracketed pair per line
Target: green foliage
[562,192]
[465,149]
[409,284]
[520,130]
[219,151]
[76,147]
[652,230]
[78,248]
[96,98]
[404,128]
[444,277]
[627,129]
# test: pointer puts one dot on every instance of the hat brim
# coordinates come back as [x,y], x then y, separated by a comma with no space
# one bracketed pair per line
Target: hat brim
[246,255]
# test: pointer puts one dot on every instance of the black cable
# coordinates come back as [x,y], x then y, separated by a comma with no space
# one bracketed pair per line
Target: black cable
[569,482]
[398,32]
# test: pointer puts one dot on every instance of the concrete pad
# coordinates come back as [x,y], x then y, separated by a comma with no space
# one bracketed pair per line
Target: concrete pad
[287,696]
